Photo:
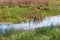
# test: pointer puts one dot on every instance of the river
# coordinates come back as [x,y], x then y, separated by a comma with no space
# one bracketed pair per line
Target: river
[48,21]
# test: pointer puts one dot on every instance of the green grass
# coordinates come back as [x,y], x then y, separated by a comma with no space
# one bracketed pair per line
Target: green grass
[15,14]
[44,33]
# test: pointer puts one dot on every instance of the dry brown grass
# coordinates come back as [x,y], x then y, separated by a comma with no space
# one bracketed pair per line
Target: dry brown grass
[37,16]
[18,2]
[34,16]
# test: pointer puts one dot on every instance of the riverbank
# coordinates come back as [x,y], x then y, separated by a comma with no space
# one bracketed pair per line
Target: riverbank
[18,14]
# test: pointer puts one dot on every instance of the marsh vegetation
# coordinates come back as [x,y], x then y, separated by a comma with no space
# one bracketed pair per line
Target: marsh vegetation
[44,33]
[15,11]
[19,14]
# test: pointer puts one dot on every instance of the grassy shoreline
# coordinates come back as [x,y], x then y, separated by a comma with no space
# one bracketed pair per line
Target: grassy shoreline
[18,14]
[44,33]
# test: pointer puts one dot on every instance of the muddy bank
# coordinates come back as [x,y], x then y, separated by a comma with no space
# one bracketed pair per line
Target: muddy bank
[5,22]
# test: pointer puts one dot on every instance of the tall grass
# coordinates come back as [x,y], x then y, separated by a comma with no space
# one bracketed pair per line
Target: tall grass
[16,14]
[13,12]
[44,33]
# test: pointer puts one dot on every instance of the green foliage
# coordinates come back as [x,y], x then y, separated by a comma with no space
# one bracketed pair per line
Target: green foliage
[44,33]
[15,14]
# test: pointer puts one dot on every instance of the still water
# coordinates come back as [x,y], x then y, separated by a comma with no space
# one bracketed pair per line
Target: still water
[48,21]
